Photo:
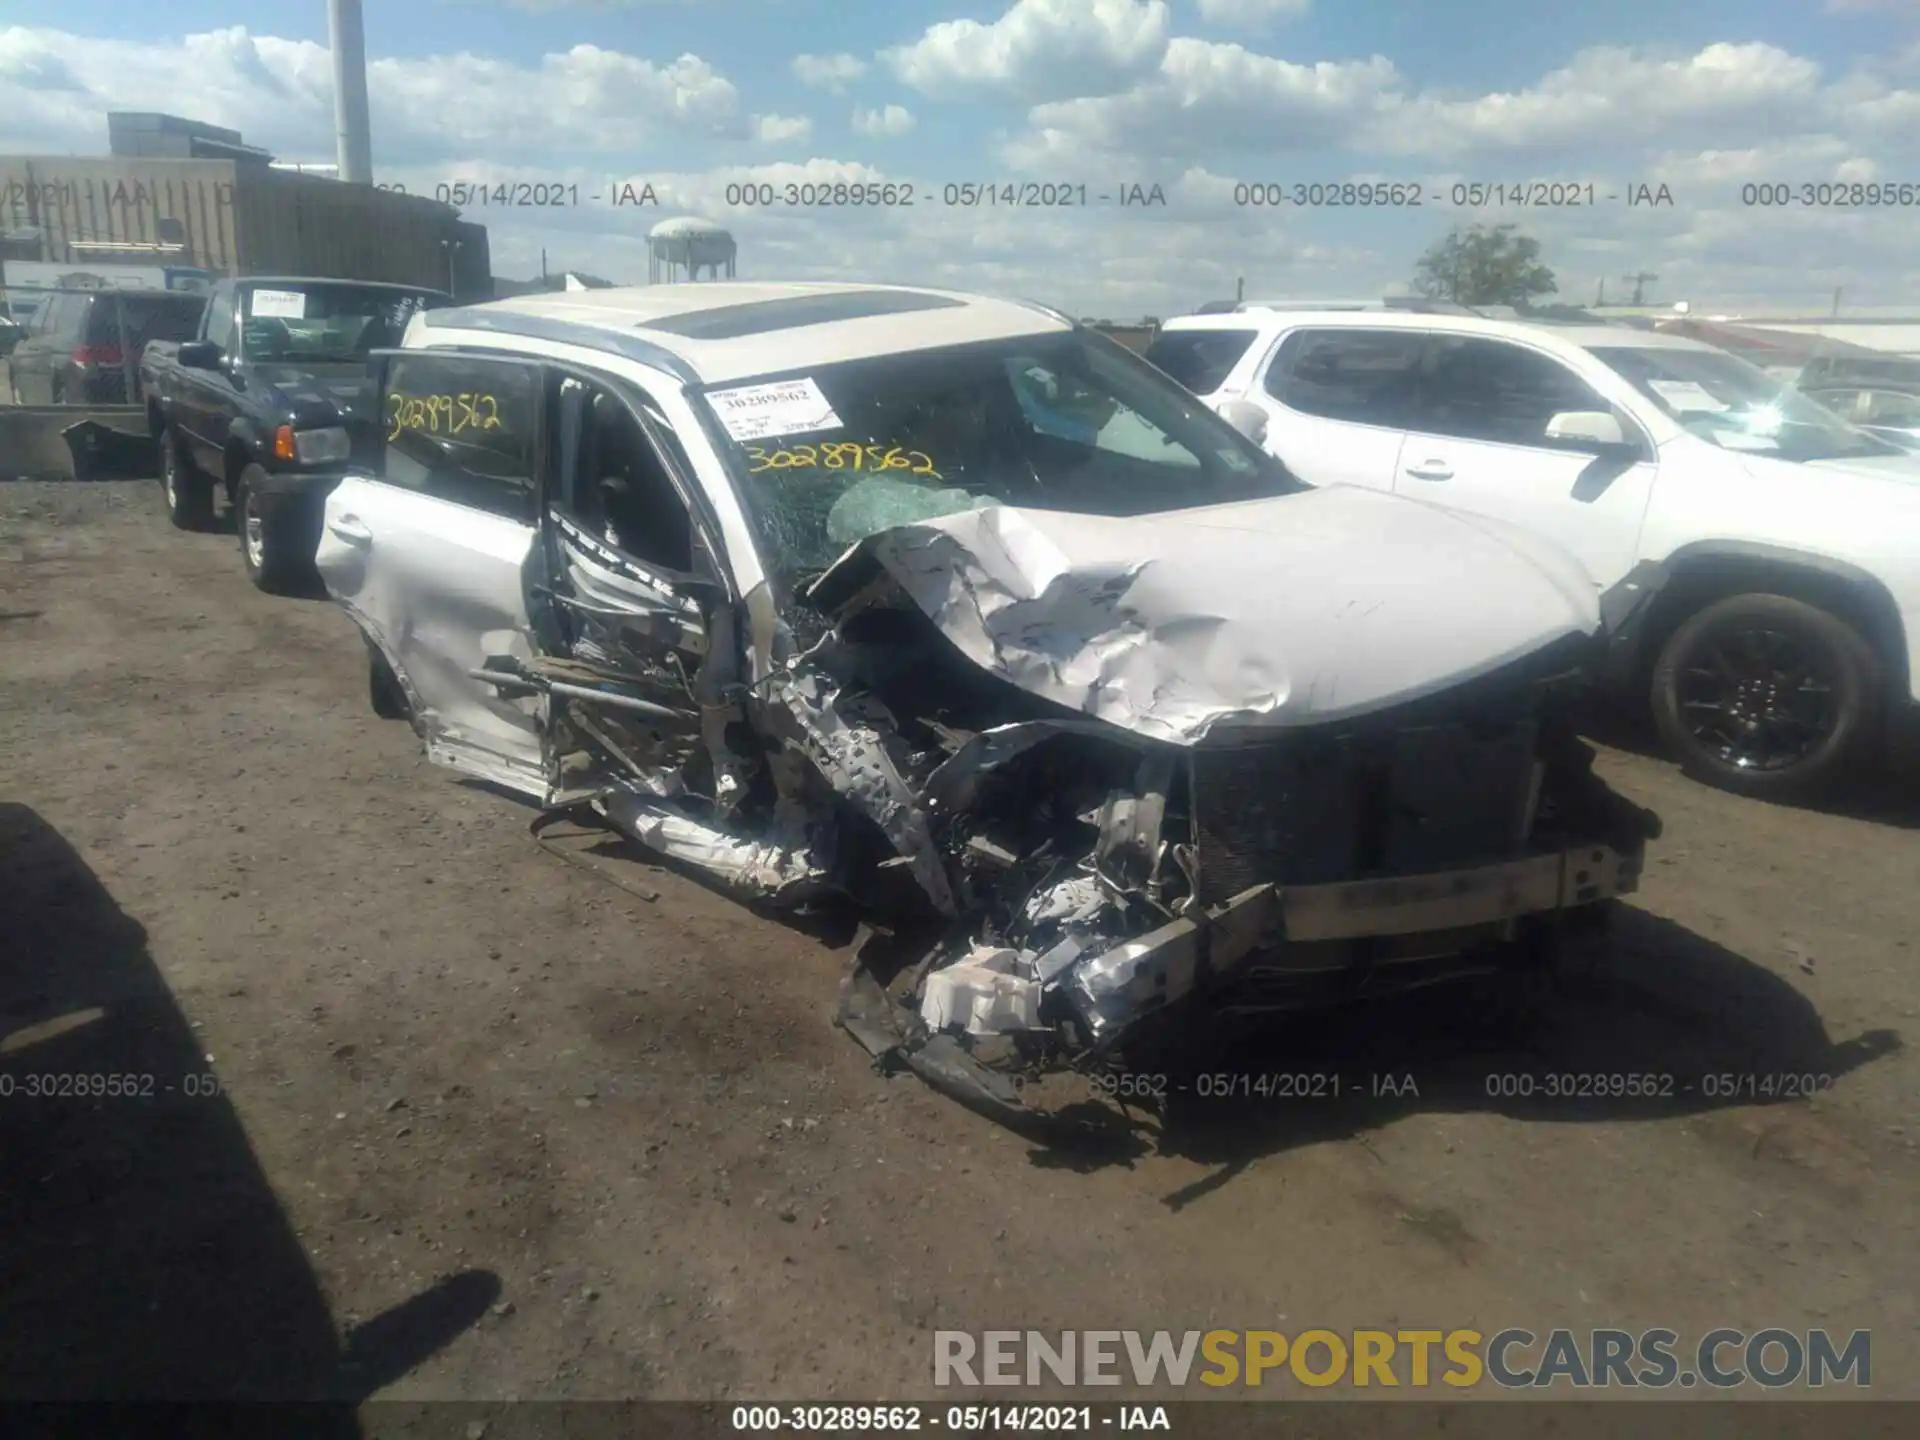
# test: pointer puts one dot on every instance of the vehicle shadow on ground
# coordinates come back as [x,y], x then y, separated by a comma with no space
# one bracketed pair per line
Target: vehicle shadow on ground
[143,1255]
[1700,1026]
[1882,794]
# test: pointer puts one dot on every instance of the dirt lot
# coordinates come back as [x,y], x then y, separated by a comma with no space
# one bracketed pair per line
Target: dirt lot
[487,1126]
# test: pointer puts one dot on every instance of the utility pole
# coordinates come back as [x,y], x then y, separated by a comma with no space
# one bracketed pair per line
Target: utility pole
[1600,295]
[352,130]
[1639,283]
[1240,290]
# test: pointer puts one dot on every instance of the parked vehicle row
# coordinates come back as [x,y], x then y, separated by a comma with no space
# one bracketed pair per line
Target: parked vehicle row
[1784,642]
[959,610]
[265,403]
[84,346]
[1881,396]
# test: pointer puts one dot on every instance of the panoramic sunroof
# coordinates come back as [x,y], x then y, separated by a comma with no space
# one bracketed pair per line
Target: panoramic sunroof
[730,322]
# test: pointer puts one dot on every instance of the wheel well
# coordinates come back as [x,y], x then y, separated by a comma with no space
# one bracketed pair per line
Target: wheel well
[1700,581]
[238,458]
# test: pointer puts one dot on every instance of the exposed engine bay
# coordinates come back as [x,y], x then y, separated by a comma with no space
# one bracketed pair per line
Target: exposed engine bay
[1074,883]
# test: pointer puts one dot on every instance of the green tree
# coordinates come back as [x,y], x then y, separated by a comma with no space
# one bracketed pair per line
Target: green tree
[1484,265]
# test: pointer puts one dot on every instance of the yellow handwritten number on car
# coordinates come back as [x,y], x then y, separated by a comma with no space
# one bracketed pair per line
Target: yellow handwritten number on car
[841,455]
[441,414]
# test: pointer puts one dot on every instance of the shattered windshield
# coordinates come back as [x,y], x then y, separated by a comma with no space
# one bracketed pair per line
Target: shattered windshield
[1066,422]
[1737,406]
[308,324]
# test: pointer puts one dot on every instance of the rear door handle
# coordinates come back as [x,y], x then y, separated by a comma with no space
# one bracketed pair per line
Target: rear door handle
[352,531]
[1432,470]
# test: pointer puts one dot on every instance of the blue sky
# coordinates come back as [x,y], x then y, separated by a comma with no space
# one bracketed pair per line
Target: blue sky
[1703,96]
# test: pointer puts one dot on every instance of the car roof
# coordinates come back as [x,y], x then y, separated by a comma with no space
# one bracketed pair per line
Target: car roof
[1587,337]
[719,331]
[336,280]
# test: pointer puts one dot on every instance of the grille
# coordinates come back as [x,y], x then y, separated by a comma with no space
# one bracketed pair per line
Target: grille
[1311,809]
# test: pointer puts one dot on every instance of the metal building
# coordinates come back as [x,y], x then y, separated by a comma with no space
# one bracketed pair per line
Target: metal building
[234,217]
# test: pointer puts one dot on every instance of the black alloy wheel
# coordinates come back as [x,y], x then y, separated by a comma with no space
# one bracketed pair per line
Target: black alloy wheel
[1766,695]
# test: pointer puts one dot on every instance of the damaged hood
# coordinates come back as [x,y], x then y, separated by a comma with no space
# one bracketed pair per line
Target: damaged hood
[1290,611]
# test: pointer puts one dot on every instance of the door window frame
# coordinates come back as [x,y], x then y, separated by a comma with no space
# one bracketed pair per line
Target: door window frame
[229,345]
[1635,432]
[381,363]
[669,451]
[1278,358]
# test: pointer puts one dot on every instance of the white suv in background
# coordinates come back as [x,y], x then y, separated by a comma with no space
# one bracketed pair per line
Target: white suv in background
[1785,542]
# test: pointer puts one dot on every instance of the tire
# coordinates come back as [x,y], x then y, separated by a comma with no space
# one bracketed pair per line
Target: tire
[188,492]
[277,536]
[384,693]
[1767,696]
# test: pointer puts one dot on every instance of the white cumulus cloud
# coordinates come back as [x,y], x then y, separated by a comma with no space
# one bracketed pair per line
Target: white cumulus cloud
[828,72]
[1038,50]
[894,120]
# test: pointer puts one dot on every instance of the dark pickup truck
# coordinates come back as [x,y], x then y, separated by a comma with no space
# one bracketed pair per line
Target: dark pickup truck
[268,405]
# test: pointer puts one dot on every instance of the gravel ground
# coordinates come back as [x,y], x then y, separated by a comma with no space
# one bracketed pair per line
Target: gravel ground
[434,1114]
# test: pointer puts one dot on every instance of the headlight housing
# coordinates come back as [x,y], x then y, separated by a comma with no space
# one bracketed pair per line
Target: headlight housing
[313,447]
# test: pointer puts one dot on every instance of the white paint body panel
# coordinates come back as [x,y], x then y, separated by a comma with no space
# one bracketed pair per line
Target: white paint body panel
[439,588]
[1285,612]
[1863,515]
[629,310]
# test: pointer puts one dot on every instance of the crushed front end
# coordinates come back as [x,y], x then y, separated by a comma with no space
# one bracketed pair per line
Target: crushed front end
[1102,804]
[1121,897]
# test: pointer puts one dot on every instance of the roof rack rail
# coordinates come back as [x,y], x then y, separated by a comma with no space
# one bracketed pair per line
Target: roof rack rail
[1404,304]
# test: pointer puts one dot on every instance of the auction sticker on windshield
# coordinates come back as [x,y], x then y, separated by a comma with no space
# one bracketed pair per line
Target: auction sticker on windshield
[787,407]
[1688,396]
[278,305]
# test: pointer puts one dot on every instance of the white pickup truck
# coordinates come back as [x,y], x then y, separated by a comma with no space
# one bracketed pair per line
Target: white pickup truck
[1784,643]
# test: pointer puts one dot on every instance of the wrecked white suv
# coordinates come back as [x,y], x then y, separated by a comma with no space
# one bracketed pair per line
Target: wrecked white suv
[960,610]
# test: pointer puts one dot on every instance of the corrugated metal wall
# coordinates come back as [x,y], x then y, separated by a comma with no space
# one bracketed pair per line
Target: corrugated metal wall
[122,200]
[294,224]
[243,220]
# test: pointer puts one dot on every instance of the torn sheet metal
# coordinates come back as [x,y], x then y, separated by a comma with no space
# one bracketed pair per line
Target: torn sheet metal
[779,871]
[1286,612]
[852,744]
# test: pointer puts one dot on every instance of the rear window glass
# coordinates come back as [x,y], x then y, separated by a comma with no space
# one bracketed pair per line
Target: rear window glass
[1368,377]
[155,317]
[308,323]
[463,429]
[1201,360]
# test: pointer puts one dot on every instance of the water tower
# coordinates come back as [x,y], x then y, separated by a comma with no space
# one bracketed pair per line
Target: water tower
[681,249]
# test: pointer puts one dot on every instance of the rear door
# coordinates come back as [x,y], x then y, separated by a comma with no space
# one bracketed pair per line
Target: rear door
[1338,401]
[34,358]
[431,551]
[1478,442]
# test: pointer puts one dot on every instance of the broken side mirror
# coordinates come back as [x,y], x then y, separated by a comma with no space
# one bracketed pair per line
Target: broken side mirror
[1246,417]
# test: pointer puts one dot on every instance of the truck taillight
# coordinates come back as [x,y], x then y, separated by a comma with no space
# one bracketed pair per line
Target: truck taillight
[97,355]
[283,443]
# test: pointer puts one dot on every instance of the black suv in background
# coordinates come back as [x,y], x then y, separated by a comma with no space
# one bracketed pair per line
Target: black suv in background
[85,349]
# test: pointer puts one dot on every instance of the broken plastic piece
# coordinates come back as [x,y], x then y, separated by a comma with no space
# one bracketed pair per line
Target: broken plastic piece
[985,992]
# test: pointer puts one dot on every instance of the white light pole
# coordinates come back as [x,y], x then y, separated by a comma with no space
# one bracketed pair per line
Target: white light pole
[352,130]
